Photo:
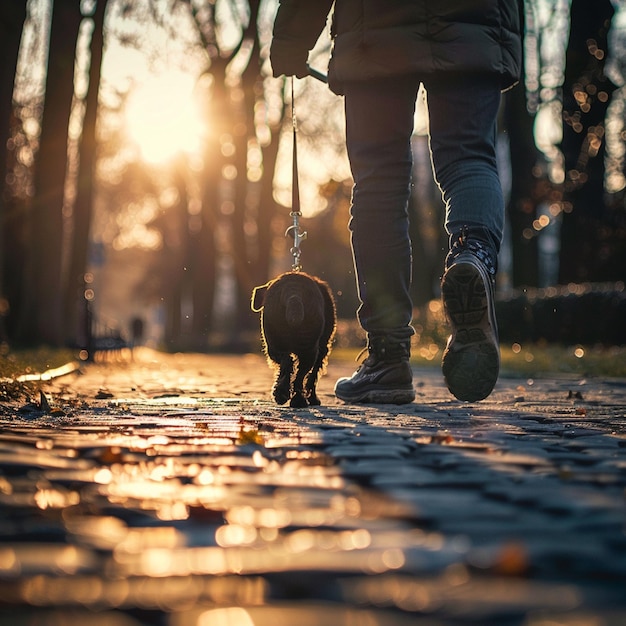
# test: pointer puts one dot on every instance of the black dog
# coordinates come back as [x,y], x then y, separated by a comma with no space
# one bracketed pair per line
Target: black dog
[298,318]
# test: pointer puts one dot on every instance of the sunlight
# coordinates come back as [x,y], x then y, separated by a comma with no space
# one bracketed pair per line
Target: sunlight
[162,117]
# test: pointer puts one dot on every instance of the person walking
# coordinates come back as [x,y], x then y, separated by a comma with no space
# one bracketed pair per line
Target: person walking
[464,53]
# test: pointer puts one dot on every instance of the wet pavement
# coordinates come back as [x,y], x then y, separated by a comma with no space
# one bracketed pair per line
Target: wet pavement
[171,491]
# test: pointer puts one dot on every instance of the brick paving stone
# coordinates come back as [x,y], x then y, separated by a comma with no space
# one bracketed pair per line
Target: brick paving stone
[170,490]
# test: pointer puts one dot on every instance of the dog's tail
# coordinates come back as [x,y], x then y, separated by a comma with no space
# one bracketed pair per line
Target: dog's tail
[294,310]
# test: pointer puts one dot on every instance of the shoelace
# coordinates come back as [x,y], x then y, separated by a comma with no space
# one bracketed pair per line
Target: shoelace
[360,358]
[372,354]
[476,247]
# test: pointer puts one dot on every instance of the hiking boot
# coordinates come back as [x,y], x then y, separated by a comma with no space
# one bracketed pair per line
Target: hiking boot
[384,377]
[471,360]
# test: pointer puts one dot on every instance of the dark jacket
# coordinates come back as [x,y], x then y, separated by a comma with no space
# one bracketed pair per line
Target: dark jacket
[377,38]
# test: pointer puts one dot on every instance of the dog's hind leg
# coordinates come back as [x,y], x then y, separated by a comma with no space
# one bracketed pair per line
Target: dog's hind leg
[282,386]
[314,374]
[324,345]
[311,385]
[318,366]
[300,398]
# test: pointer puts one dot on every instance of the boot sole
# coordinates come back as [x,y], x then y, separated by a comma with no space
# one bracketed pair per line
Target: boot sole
[380,396]
[471,361]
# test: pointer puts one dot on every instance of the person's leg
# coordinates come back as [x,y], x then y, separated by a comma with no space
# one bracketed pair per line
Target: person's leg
[379,125]
[462,127]
[463,115]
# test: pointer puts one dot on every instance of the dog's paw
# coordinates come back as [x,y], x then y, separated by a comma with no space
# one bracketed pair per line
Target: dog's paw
[280,399]
[281,391]
[314,400]
[298,401]
[280,395]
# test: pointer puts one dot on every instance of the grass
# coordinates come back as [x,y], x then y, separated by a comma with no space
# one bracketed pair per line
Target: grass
[531,360]
[592,361]
[528,360]
[15,363]
[37,360]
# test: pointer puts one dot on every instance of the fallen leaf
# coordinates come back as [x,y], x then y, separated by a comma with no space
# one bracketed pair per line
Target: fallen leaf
[512,560]
[44,403]
[249,437]
[110,455]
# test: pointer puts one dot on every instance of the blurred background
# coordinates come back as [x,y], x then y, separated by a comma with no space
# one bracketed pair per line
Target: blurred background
[146,175]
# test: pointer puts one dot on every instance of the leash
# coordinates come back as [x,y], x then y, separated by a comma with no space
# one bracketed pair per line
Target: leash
[298,235]
[296,214]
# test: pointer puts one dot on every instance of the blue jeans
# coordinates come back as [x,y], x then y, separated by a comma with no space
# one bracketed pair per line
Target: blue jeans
[379,124]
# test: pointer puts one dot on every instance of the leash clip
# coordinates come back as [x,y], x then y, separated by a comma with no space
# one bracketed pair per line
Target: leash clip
[298,237]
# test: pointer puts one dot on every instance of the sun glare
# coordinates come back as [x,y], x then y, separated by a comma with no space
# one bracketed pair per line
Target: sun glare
[162,117]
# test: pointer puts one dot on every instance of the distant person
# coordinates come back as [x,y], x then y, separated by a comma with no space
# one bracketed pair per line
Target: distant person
[464,53]
[136,331]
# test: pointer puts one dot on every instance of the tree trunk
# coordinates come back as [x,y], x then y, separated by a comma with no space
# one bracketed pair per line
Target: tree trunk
[243,251]
[83,205]
[586,253]
[521,209]
[43,310]
[203,242]
[12,18]
[176,285]
[232,120]
[267,206]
